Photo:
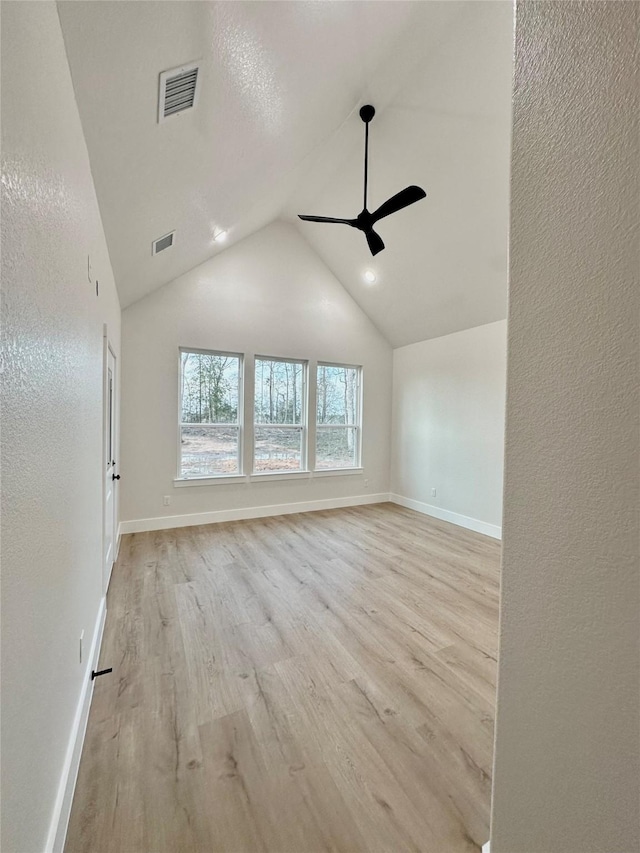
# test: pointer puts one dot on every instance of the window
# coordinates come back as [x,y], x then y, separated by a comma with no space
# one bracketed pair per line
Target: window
[211,421]
[210,413]
[338,417]
[279,415]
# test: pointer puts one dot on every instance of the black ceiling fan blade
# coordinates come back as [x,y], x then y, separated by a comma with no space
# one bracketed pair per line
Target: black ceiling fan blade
[375,242]
[404,198]
[326,219]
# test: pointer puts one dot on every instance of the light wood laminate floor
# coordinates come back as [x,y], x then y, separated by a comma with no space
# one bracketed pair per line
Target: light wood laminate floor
[312,682]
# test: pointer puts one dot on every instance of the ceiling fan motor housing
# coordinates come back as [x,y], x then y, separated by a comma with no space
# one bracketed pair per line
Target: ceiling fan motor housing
[367,113]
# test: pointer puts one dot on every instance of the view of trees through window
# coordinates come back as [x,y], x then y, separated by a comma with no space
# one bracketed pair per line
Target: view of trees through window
[279,408]
[337,397]
[209,429]
[211,415]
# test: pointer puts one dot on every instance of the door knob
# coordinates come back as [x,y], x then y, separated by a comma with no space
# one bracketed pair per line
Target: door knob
[115,476]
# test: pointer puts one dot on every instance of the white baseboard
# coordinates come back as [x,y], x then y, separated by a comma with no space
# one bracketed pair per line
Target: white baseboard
[141,525]
[64,799]
[486,848]
[475,524]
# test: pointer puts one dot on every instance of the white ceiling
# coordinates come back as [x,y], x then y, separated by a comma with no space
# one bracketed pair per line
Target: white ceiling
[276,132]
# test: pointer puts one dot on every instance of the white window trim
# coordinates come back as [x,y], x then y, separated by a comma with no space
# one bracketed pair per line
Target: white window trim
[221,480]
[275,426]
[333,472]
[264,476]
[246,433]
[279,475]
[218,478]
[326,426]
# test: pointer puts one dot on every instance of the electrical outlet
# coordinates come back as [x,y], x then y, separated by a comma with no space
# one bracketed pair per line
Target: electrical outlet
[433,493]
[167,500]
[81,642]
[366,483]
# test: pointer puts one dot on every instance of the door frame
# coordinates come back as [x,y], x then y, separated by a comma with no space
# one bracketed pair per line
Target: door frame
[108,349]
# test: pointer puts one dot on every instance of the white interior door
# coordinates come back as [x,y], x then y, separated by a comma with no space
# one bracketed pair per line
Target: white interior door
[111,477]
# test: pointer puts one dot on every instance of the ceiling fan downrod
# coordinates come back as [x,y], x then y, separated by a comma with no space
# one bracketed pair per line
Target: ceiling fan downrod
[366,114]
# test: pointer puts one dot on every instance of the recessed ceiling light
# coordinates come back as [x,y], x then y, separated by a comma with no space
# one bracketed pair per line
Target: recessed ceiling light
[369,276]
[220,237]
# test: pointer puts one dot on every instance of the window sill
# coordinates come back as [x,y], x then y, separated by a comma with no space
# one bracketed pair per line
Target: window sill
[336,472]
[266,476]
[280,475]
[228,479]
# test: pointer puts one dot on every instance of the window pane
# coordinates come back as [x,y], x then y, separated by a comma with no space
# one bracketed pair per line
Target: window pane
[337,394]
[210,384]
[336,448]
[208,451]
[277,449]
[278,392]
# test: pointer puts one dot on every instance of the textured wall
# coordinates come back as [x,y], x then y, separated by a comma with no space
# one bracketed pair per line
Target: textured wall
[51,416]
[268,295]
[566,765]
[448,422]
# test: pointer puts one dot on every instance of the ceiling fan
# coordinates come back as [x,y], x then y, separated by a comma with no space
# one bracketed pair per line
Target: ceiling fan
[366,220]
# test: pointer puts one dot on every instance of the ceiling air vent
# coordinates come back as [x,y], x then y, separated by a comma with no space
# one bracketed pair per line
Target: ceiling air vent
[162,243]
[178,90]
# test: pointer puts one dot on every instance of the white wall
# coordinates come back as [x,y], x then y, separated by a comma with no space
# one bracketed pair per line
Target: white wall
[567,770]
[448,426]
[268,295]
[447,128]
[51,418]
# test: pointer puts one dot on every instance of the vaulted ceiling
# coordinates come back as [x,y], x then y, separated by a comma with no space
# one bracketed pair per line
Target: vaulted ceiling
[276,132]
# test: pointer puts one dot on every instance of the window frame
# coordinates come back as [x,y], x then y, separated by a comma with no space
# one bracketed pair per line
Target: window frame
[180,477]
[356,426]
[303,426]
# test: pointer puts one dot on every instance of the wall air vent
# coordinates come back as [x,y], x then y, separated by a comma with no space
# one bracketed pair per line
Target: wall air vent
[178,90]
[162,243]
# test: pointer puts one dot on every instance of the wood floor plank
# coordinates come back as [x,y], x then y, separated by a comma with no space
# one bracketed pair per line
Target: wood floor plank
[314,682]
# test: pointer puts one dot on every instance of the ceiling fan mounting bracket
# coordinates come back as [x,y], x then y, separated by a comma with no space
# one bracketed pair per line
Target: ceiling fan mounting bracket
[367,113]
